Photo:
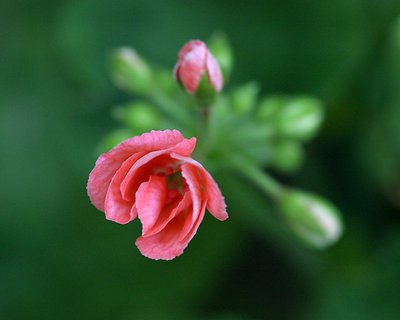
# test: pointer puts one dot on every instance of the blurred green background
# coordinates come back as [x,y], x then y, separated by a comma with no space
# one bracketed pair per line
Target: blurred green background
[60,259]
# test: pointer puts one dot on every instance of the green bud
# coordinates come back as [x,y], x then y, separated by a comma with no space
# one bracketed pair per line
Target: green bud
[130,71]
[313,219]
[300,118]
[222,51]
[270,107]
[244,97]
[287,155]
[205,94]
[139,116]
[113,138]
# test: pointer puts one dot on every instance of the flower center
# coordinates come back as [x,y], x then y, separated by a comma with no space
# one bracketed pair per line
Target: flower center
[176,183]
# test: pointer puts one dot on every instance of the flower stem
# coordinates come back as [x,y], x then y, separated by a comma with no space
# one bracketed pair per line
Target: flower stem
[172,109]
[259,177]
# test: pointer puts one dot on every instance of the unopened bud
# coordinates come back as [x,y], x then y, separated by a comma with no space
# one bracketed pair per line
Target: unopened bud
[313,219]
[244,97]
[130,71]
[287,155]
[139,116]
[194,62]
[270,107]
[300,118]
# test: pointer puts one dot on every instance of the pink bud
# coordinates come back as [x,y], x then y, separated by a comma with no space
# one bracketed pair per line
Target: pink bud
[193,60]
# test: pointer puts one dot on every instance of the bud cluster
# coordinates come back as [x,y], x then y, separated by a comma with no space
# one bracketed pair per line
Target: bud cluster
[235,128]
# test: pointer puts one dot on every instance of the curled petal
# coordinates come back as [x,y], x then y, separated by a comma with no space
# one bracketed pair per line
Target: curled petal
[191,176]
[170,211]
[142,168]
[214,73]
[215,201]
[150,200]
[116,208]
[108,163]
[166,244]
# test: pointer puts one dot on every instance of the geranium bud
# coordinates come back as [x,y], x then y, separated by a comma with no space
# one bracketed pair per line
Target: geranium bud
[270,107]
[300,118]
[194,62]
[287,155]
[138,115]
[130,71]
[313,219]
[244,97]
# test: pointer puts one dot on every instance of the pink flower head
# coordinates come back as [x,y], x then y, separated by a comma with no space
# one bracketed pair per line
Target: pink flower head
[194,60]
[152,176]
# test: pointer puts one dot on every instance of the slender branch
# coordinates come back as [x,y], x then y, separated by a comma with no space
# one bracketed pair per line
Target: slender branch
[174,110]
[259,177]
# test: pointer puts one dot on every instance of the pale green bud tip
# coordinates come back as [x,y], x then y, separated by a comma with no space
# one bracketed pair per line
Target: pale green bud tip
[244,97]
[139,116]
[300,118]
[313,219]
[270,107]
[287,155]
[130,71]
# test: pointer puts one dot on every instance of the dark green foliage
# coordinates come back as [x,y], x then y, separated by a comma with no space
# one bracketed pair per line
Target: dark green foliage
[60,259]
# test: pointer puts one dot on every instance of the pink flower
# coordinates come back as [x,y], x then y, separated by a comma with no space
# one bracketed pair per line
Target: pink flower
[194,60]
[152,176]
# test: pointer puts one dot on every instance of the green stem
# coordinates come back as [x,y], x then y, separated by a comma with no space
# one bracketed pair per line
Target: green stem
[202,133]
[174,110]
[259,177]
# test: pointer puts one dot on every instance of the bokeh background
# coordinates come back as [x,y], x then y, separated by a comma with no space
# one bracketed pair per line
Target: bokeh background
[59,257]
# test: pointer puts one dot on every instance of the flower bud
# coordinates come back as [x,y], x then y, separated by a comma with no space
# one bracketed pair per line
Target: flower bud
[287,155]
[130,71]
[139,116]
[194,61]
[313,219]
[244,97]
[300,118]
[270,107]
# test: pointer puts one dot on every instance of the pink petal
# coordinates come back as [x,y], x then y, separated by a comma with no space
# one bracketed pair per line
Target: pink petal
[183,52]
[191,45]
[190,174]
[178,206]
[164,245]
[214,72]
[108,163]
[150,200]
[155,140]
[215,201]
[116,208]
[144,165]
[192,232]
[192,68]
[100,177]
